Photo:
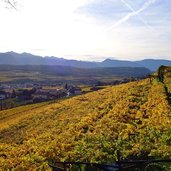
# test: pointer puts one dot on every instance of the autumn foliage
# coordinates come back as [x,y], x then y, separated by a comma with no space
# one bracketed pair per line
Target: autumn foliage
[133,118]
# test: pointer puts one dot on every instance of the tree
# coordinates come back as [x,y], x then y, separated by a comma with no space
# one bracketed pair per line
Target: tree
[10,3]
[66,86]
[13,95]
[160,72]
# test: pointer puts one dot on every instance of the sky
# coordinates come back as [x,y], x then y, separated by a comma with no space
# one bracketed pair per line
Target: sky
[88,29]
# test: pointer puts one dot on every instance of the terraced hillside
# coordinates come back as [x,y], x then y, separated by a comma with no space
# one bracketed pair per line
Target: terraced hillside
[133,118]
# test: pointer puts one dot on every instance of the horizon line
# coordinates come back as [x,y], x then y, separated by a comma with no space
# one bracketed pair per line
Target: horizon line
[99,58]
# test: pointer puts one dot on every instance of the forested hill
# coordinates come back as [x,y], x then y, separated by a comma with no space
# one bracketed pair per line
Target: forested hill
[27,73]
[13,58]
[73,71]
[133,118]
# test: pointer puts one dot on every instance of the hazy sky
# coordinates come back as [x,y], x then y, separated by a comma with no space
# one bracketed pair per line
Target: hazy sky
[88,29]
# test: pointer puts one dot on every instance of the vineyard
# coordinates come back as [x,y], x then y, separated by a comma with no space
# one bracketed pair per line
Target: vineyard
[133,118]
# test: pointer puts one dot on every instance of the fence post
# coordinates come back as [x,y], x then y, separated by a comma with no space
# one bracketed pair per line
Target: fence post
[119,160]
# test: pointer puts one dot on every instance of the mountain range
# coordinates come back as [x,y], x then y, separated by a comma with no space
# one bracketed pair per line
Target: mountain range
[13,58]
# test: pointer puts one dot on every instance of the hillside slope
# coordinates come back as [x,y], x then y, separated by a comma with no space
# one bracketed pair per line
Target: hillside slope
[133,118]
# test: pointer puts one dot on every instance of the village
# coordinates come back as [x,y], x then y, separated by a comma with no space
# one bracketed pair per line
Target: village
[11,95]
[17,94]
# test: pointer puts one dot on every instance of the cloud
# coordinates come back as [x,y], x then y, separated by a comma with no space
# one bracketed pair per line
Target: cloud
[103,10]
[133,13]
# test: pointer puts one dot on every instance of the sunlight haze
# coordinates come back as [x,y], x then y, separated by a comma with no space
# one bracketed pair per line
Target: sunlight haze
[88,29]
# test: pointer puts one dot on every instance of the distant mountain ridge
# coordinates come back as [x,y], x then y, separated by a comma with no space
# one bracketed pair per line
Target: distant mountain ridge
[13,58]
